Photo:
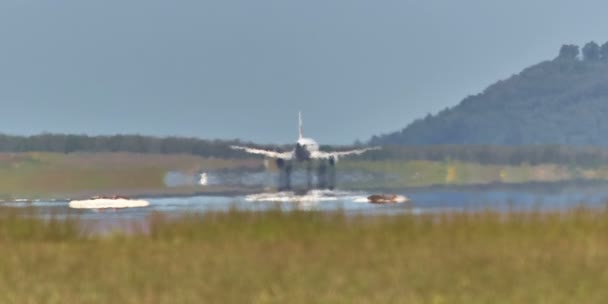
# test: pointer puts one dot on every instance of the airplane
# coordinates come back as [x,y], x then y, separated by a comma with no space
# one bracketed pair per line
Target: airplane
[305,150]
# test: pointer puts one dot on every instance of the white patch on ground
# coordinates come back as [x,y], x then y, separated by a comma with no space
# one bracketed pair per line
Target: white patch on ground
[310,196]
[107,203]
[203,180]
[363,199]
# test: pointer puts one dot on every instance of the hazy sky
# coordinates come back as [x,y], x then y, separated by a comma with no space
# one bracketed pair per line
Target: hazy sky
[243,68]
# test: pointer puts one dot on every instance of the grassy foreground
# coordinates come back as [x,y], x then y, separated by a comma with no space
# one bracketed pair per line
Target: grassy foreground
[308,257]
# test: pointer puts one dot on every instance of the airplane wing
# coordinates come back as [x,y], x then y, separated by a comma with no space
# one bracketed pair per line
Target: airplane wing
[338,154]
[267,153]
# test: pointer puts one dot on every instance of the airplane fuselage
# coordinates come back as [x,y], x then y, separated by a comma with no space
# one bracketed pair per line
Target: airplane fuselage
[304,148]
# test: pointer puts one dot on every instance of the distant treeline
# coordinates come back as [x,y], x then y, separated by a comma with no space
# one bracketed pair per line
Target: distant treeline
[62,143]
[495,154]
[485,154]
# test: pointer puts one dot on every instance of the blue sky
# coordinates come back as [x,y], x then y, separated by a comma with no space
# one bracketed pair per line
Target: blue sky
[242,68]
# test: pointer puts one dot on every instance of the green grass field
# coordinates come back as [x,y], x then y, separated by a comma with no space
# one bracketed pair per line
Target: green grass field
[52,175]
[310,257]
[426,173]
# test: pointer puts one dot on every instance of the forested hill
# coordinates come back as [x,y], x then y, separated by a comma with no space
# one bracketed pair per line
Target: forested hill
[561,101]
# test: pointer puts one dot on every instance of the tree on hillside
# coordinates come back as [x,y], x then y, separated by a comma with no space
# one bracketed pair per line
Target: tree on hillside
[604,52]
[569,52]
[591,51]
[561,101]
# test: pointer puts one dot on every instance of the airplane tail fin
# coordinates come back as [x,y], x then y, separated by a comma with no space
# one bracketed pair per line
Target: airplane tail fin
[300,135]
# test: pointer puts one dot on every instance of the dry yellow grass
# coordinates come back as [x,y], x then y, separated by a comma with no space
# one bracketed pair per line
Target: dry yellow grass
[309,257]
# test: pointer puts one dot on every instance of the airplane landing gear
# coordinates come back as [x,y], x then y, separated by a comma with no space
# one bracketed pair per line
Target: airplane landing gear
[285,168]
[322,175]
[309,174]
[331,178]
[326,174]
